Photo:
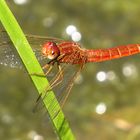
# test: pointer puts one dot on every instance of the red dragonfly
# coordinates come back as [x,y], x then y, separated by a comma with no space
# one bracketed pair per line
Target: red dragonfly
[62,52]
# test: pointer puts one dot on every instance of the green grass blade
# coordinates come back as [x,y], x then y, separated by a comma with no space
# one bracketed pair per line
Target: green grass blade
[25,52]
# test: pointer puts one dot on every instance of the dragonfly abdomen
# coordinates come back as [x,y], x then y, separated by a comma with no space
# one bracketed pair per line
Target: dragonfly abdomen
[112,53]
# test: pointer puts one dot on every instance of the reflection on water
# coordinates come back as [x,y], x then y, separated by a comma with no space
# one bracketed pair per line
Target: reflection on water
[21,2]
[130,70]
[101,108]
[104,104]
[71,30]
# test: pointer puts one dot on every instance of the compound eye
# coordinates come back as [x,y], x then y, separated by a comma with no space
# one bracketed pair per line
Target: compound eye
[50,50]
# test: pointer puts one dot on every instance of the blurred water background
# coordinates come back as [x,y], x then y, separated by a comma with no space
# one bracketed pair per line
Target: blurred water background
[105,101]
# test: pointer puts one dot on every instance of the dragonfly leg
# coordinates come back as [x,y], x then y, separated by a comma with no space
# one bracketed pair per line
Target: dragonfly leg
[47,66]
[60,71]
[49,69]
[63,99]
[71,82]
[58,78]
[54,82]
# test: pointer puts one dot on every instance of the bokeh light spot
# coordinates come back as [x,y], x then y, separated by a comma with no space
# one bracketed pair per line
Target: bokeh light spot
[129,70]
[101,76]
[71,29]
[101,108]
[21,2]
[111,75]
[76,36]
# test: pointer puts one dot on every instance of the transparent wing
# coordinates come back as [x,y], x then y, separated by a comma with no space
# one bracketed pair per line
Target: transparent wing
[9,56]
[65,85]
[61,85]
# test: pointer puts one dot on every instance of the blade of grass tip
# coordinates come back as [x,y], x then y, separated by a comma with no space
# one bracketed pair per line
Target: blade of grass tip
[61,126]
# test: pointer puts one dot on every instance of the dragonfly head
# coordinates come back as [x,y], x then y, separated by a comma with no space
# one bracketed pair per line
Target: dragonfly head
[50,50]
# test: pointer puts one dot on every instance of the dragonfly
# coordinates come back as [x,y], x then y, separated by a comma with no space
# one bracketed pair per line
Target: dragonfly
[63,54]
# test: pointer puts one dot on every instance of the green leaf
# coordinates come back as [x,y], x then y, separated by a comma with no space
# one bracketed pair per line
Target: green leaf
[25,52]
